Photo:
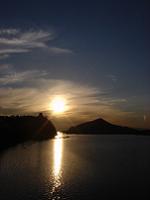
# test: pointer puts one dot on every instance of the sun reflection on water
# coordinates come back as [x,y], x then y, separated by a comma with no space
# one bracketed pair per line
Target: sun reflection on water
[57,160]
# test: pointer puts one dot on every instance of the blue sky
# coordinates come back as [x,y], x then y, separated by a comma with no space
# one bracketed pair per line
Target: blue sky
[95,53]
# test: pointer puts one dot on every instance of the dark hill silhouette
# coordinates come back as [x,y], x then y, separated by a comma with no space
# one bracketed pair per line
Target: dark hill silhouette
[18,129]
[100,126]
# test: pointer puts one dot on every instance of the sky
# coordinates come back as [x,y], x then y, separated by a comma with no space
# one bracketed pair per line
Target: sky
[95,54]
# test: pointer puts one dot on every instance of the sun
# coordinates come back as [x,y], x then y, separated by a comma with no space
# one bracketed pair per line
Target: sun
[58,105]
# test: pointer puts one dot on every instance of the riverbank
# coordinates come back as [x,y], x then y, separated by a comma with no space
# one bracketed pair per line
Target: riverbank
[19,129]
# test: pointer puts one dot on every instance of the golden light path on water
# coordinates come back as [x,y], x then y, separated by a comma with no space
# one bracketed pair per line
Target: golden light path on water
[57,160]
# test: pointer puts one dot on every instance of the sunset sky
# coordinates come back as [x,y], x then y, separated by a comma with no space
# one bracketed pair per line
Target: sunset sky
[93,54]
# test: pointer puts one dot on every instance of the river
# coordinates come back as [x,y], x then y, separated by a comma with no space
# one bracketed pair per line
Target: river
[77,167]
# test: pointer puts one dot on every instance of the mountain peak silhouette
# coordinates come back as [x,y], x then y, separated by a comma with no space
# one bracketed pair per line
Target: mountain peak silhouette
[100,121]
[100,126]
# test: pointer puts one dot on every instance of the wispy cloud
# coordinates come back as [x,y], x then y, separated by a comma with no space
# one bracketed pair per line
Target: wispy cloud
[11,31]
[11,51]
[13,41]
[58,50]
[5,67]
[4,56]
[112,77]
[19,77]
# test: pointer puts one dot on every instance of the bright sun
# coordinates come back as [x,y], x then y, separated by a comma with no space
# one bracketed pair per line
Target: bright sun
[58,105]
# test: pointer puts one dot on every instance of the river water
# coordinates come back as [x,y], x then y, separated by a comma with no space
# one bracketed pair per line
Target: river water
[77,167]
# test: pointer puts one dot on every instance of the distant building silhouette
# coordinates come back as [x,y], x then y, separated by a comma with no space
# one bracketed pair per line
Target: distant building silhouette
[41,115]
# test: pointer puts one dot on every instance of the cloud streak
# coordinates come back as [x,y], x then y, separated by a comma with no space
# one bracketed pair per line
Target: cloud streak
[14,41]
[20,77]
